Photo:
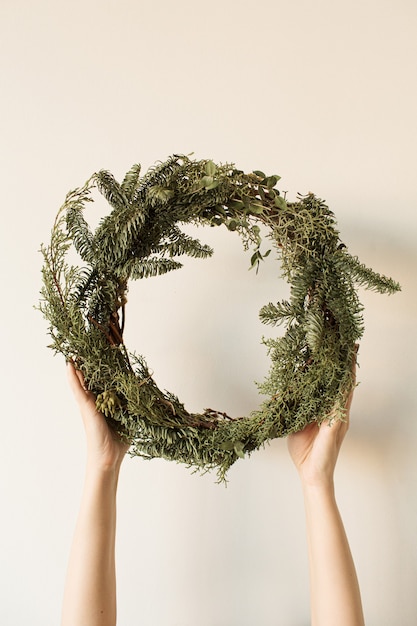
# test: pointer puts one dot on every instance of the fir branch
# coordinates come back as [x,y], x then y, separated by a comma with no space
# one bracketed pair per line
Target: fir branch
[364,276]
[146,268]
[278,313]
[131,182]
[80,233]
[178,243]
[111,189]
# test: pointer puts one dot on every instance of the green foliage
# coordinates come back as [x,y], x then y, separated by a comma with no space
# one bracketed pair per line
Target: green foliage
[310,370]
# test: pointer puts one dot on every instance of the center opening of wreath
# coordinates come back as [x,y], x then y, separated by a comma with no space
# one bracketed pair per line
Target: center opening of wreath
[198,327]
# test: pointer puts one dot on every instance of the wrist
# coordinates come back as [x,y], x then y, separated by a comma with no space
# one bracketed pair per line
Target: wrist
[317,476]
[323,486]
[99,475]
[319,499]
[102,463]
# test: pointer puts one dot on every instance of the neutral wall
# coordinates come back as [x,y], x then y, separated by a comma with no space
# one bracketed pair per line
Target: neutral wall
[322,93]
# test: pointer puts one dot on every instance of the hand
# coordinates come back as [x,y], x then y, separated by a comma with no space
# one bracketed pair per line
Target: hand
[105,450]
[315,449]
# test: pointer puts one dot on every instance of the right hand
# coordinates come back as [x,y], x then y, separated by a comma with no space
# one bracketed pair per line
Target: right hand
[315,449]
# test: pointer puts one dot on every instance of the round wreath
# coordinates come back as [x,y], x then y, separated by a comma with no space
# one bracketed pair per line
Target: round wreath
[310,370]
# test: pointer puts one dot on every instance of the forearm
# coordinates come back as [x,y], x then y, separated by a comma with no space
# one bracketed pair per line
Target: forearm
[90,590]
[335,594]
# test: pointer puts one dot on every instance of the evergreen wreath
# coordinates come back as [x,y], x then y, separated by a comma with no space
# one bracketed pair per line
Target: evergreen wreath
[310,370]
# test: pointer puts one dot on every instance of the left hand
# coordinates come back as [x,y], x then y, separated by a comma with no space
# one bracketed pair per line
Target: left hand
[105,450]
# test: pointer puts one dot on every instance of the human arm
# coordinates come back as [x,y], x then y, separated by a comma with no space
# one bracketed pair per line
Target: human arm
[335,593]
[90,588]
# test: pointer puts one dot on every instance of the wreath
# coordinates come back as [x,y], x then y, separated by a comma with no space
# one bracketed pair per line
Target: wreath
[85,305]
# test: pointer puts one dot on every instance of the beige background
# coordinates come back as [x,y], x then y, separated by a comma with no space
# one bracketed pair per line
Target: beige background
[321,92]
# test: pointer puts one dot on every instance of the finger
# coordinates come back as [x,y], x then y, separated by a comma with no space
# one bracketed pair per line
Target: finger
[349,396]
[333,425]
[355,360]
[76,381]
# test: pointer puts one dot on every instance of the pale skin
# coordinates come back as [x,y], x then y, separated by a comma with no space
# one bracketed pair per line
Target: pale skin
[334,588]
[90,589]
